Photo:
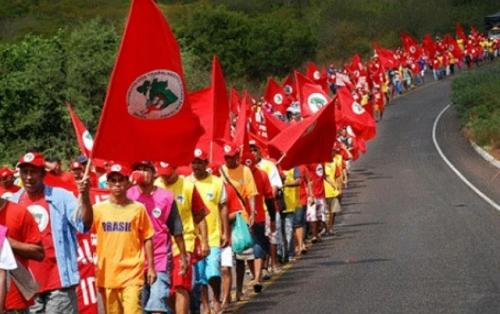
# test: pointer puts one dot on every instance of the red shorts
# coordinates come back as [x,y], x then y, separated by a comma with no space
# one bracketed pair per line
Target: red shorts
[178,281]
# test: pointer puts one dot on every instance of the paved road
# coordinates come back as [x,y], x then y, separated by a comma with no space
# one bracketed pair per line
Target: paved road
[415,238]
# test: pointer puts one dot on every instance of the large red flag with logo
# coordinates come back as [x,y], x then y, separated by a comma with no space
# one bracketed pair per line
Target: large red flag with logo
[312,97]
[83,136]
[355,115]
[308,141]
[146,113]
[318,76]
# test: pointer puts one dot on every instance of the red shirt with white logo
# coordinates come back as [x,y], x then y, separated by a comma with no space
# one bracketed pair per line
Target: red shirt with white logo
[21,227]
[46,271]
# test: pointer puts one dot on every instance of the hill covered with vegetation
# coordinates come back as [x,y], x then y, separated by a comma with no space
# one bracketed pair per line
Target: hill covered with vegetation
[57,50]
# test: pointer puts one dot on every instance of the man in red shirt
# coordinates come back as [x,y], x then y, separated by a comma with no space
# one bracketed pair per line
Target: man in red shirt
[26,242]
[7,186]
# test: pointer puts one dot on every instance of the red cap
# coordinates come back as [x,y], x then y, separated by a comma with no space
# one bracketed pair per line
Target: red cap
[231,150]
[76,165]
[118,168]
[6,172]
[200,154]
[145,163]
[164,169]
[34,159]
[248,160]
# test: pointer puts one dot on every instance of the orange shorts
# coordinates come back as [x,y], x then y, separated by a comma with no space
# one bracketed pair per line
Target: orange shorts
[178,281]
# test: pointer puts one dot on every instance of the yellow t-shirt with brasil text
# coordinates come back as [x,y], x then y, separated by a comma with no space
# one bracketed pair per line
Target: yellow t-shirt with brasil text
[121,232]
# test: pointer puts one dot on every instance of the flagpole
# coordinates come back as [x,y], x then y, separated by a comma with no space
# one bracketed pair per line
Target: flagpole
[281,158]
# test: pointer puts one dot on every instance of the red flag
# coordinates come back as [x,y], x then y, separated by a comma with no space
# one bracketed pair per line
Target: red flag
[242,123]
[220,102]
[289,87]
[318,76]
[83,136]
[273,125]
[355,115]
[311,96]
[308,141]
[275,95]
[146,113]
[460,32]
[234,101]
[386,57]
[411,45]
[452,46]
[429,46]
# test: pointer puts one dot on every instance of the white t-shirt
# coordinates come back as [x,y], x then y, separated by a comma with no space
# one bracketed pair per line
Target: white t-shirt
[7,259]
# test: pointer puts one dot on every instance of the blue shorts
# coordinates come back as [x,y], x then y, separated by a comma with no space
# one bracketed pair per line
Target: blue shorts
[299,218]
[261,243]
[154,297]
[209,267]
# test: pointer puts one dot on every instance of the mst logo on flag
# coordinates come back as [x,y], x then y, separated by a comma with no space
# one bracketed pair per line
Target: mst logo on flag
[316,101]
[155,95]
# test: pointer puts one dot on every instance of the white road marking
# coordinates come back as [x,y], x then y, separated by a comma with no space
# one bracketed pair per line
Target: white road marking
[452,167]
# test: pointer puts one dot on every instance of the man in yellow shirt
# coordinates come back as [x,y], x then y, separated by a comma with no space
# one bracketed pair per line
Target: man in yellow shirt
[213,194]
[334,171]
[124,235]
[192,212]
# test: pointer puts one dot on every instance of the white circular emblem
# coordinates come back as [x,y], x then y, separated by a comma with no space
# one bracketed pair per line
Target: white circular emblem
[29,157]
[88,141]
[316,101]
[155,95]
[198,152]
[163,164]
[356,73]
[210,196]
[319,170]
[288,89]
[116,168]
[316,75]
[156,212]
[248,162]
[278,99]
[413,49]
[357,108]
[227,148]
[40,215]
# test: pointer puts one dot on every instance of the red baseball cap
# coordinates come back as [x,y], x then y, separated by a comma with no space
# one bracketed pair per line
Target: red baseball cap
[248,159]
[76,165]
[164,169]
[200,154]
[231,149]
[118,168]
[6,172]
[145,163]
[33,159]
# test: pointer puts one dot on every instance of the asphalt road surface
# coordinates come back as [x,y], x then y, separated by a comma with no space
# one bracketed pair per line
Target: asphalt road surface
[414,238]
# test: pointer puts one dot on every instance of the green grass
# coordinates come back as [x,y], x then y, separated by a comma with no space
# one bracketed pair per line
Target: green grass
[475,95]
